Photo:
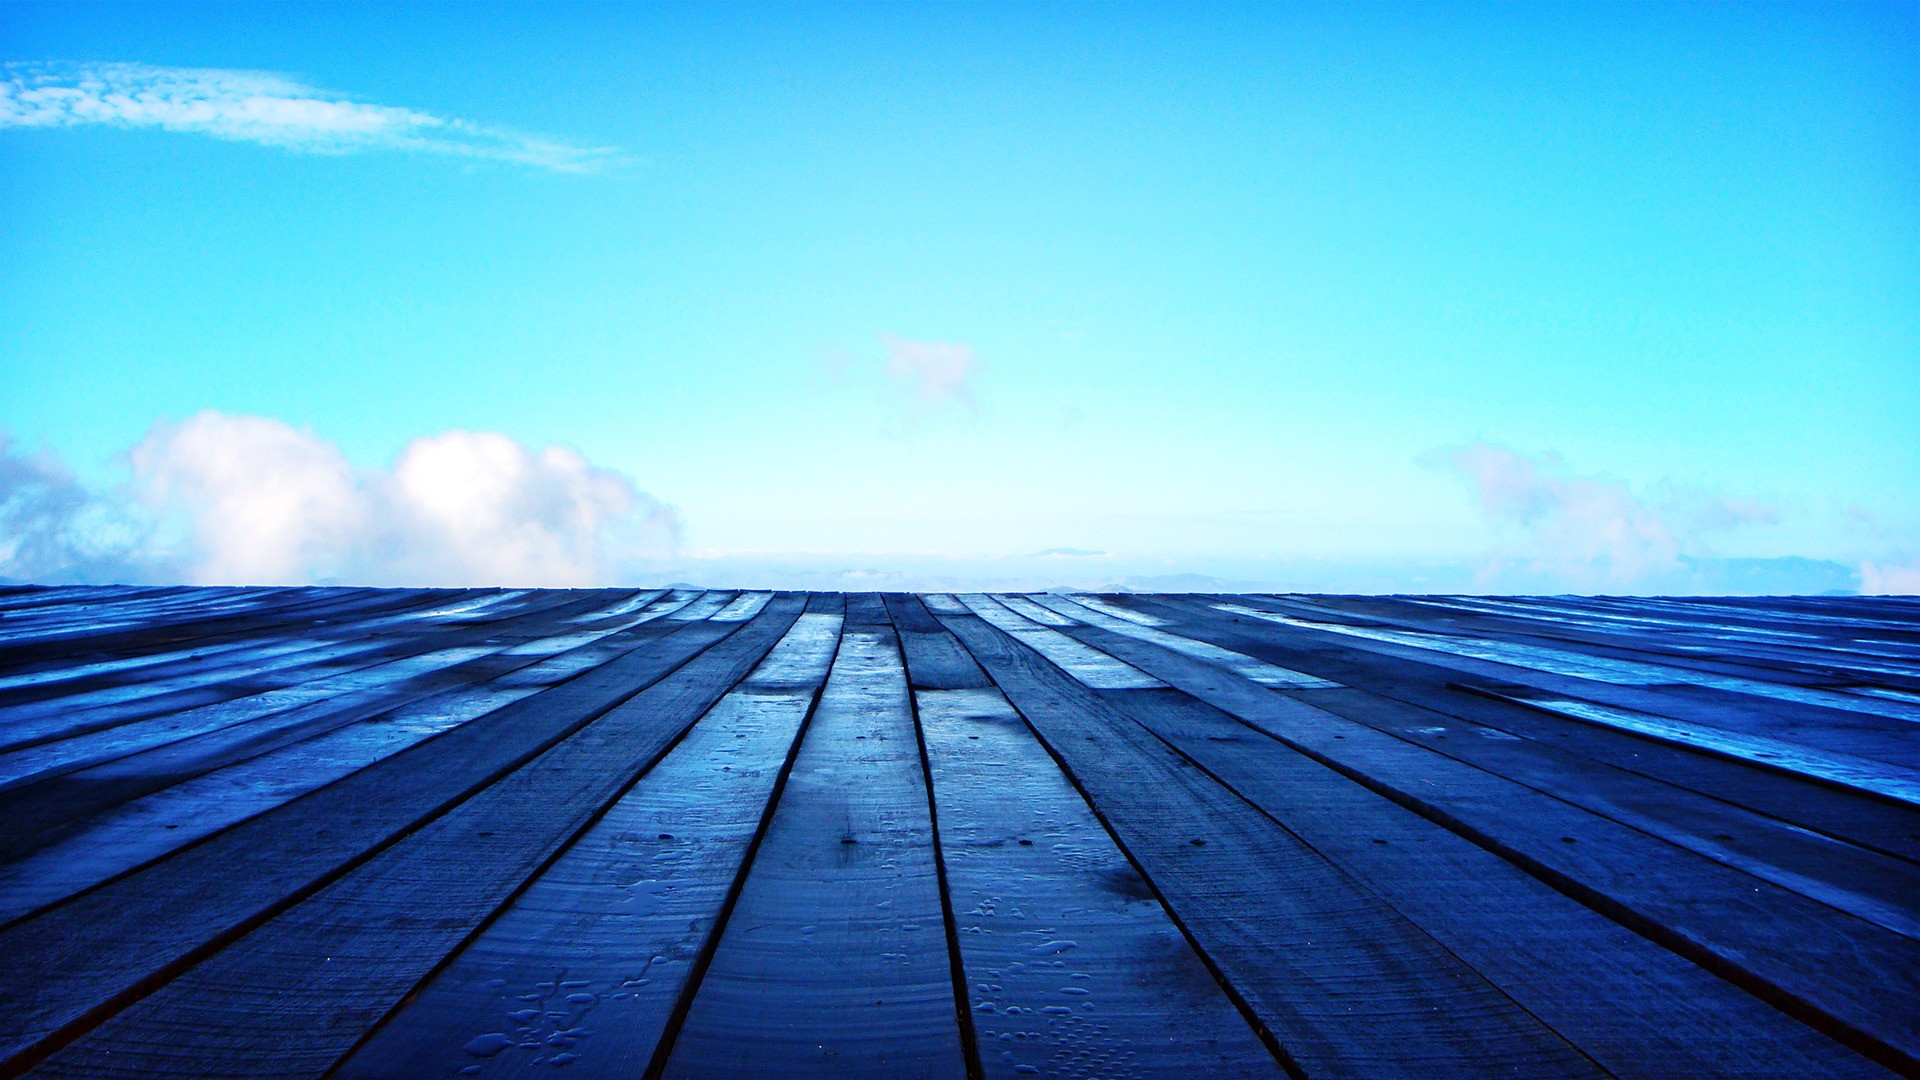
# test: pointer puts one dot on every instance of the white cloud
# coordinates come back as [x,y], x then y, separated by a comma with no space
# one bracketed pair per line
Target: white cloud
[1881,579]
[264,503]
[1588,530]
[478,506]
[221,499]
[937,371]
[52,529]
[260,107]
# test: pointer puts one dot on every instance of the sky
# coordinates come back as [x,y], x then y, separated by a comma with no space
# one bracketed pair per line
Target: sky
[1344,298]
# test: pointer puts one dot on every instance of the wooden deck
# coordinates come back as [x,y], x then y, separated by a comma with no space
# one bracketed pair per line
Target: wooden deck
[407,833]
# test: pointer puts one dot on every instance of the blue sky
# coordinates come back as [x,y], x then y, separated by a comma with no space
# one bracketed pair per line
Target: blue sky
[1613,298]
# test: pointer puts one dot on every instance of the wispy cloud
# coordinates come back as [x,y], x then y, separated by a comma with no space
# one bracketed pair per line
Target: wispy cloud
[252,500]
[1588,530]
[936,371]
[261,107]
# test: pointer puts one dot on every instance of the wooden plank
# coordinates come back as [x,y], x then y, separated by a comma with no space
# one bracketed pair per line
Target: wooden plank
[46,804]
[1831,970]
[1876,826]
[1829,719]
[1087,666]
[297,993]
[1884,617]
[1863,883]
[866,609]
[84,715]
[353,688]
[1083,612]
[1806,658]
[28,597]
[112,612]
[265,665]
[100,950]
[935,661]
[1347,985]
[1633,1006]
[1073,966]
[833,961]
[72,852]
[139,672]
[271,663]
[136,635]
[586,966]
[114,609]
[354,617]
[1854,774]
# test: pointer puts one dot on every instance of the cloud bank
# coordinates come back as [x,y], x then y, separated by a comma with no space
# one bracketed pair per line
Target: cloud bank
[260,107]
[1587,530]
[222,499]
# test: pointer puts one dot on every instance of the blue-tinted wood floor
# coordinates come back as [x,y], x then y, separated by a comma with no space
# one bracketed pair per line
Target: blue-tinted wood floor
[405,833]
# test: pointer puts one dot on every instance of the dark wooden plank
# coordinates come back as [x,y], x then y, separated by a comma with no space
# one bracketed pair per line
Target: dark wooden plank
[866,609]
[139,673]
[495,647]
[262,664]
[1804,658]
[1073,966]
[834,961]
[1861,882]
[75,852]
[296,994]
[101,950]
[28,597]
[115,608]
[103,772]
[1346,984]
[377,632]
[106,614]
[1829,719]
[1831,970]
[1848,774]
[1848,877]
[1879,827]
[1890,617]
[217,676]
[1631,1005]
[586,966]
[1090,667]
[136,635]
[346,615]
[330,693]
[1090,611]
[935,661]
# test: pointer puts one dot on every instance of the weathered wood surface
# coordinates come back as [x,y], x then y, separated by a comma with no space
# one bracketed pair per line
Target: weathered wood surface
[667,832]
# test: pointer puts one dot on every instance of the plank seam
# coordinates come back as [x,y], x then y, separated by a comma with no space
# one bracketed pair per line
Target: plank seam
[697,971]
[1766,990]
[1756,763]
[73,1030]
[963,1011]
[559,851]
[7,924]
[1337,865]
[1240,1003]
[1450,679]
